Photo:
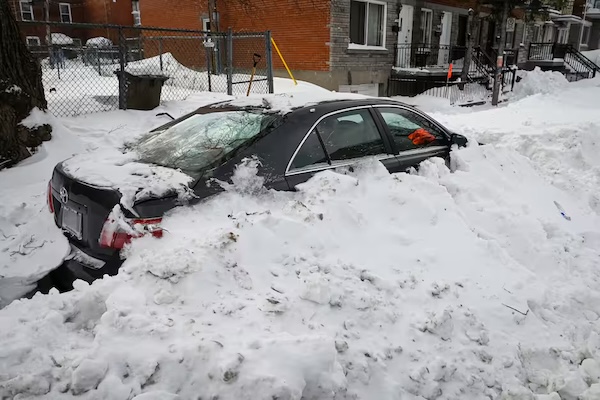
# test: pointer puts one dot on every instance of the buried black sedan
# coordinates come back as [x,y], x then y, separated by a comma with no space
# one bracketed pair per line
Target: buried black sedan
[207,144]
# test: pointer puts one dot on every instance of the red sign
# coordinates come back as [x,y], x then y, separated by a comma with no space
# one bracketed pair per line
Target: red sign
[450,71]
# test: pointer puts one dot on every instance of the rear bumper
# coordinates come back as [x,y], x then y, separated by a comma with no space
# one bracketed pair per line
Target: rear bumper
[88,268]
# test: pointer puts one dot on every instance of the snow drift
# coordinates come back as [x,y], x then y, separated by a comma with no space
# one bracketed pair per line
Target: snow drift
[477,280]
[433,285]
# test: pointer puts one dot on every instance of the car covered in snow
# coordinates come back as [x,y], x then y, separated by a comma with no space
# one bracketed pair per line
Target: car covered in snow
[102,203]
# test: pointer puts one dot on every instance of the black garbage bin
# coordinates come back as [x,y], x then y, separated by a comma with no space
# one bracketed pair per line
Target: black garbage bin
[142,92]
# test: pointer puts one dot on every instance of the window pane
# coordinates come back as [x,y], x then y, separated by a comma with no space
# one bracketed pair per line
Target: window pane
[357,22]
[351,134]
[202,140]
[311,153]
[375,25]
[426,16]
[411,131]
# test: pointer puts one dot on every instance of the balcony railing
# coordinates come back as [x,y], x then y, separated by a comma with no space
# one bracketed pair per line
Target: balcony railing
[422,56]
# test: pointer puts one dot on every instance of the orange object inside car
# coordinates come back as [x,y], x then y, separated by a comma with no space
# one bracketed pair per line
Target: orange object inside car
[421,136]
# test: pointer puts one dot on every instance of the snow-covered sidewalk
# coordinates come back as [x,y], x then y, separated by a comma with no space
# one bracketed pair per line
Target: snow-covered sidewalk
[474,282]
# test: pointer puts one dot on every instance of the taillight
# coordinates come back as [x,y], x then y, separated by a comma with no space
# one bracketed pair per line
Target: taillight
[116,233]
[49,199]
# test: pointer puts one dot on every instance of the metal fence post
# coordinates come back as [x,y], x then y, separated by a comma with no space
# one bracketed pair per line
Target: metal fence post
[98,62]
[229,62]
[208,68]
[160,53]
[122,83]
[269,53]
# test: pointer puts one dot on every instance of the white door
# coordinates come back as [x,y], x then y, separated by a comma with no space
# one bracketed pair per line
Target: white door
[444,53]
[405,22]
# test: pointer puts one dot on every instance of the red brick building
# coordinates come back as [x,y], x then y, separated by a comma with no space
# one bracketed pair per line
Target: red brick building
[68,11]
[338,44]
[118,12]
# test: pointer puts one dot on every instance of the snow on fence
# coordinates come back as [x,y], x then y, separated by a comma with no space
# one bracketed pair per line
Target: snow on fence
[80,70]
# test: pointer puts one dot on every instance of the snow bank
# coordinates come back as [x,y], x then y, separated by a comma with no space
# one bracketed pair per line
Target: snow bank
[61,38]
[99,42]
[358,286]
[30,243]
[558,130]
[538,81]
[593,55]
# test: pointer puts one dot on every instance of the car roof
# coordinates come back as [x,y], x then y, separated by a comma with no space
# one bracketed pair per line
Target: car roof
[288,103]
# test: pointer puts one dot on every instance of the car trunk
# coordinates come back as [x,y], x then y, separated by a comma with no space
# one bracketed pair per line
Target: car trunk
[82,212]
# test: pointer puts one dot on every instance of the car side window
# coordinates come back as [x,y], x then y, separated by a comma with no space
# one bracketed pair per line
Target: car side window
[350,134]
[311,153]
[411,131]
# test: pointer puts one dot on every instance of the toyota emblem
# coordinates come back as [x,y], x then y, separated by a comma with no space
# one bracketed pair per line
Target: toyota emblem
[64,195]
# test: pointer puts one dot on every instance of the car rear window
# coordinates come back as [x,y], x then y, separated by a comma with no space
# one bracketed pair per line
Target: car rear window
[202,140]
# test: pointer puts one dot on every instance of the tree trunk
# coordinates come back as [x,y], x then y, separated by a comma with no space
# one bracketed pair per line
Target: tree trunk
[469,51]
[21,91]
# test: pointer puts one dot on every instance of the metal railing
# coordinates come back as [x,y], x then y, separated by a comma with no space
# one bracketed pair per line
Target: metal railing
[480,76]
[576,65]
[457,93]
[428,55]
[80,65]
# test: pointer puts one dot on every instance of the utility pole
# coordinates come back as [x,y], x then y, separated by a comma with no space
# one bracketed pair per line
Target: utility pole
[500,58]
[468,54]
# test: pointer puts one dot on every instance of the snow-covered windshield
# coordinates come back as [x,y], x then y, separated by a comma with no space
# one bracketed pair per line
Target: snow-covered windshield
[202,140]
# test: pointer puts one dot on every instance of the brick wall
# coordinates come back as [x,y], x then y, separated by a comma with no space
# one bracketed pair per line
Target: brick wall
[299,27]
[108,12]
[183,14]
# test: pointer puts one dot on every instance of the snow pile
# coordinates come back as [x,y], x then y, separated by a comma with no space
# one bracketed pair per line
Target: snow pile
[60,38]
[30,243]
[538,81]
[558,131]
[593,56]
[287,102]
[99,42]
[134,180]
[435,285]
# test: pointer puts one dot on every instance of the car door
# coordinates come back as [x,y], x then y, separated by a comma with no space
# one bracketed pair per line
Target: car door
[415,137]
[339,139]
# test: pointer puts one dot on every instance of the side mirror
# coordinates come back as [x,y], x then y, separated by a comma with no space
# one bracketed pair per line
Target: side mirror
[458,140]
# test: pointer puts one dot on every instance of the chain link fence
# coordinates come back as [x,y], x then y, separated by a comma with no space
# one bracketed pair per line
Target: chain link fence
[81,63]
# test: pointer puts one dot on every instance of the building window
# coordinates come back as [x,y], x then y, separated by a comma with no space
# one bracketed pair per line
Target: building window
[26,11]
[367,23]
[563,36]
[426,24]
[597,4]
[537,31]
[135,7]
[33,41]
[65,12]
[548,35]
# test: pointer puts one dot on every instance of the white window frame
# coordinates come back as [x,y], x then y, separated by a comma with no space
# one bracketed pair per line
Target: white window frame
[135,11]
[35,38]
[60,10]
[205,24]
[426,41]
[28,12]
[366,27]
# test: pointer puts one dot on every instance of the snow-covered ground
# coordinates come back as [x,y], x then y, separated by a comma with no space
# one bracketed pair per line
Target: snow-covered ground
[471,283]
